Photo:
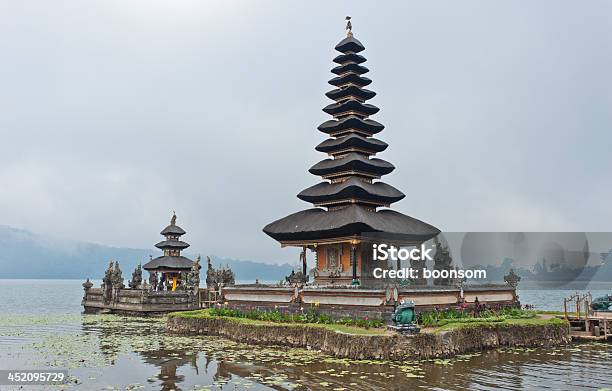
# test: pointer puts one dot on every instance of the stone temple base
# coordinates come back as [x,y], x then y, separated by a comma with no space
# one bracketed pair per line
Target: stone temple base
[387,346]
[139,302]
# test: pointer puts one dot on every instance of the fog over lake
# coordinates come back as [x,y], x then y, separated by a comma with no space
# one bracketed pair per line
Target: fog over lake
[115,113]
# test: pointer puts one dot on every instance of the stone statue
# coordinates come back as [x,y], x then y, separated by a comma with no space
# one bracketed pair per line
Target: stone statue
[193,277]
[223,276]
[183,281]
[512,278]
[296,277]
[136,281]
[153,280]
[194,274]
[210,273]
[162,282]
[418,265]
[108,274]
[87,285]
[173,220]
[442,261]
[404,318]
[107,283]
[349,26]
[228,276]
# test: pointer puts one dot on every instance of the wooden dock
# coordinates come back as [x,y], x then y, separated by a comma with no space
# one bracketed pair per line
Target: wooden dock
[596,327]
[585,324]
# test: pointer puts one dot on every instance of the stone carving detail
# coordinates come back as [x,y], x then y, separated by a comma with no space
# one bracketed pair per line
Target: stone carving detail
[106,280]
[192,278]
[296,278]
[107,283]
[136,281]
[87,285]
[153,278]
[442,261]
[512,278]
[223,276]
[334,274]
[333,259]
[210,273]
[112,282]
[117,277]
[419,265]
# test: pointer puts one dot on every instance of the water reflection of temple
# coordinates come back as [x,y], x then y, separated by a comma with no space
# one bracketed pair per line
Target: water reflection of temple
[168,362]
[181,368]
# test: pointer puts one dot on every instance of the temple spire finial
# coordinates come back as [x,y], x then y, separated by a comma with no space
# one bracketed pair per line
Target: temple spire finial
[349,27]
[173,220]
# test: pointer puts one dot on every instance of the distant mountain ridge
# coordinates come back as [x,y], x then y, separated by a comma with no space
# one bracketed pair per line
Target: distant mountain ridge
[25,254]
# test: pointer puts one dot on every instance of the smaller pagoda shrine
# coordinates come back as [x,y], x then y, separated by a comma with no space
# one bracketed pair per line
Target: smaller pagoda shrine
[173,283]
[168,271]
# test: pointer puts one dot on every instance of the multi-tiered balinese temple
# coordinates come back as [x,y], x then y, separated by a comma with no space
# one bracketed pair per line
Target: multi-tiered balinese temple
[173,284]
[169,269]
[351,212]
[351,203]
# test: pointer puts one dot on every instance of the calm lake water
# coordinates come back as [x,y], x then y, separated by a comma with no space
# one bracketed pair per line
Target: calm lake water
[41,326]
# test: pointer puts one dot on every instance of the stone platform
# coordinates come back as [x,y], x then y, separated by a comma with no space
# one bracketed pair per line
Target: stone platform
[386,346]
[139,302]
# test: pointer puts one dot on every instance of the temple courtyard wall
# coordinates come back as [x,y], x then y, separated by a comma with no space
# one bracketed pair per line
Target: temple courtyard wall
[382,346]
[361,302]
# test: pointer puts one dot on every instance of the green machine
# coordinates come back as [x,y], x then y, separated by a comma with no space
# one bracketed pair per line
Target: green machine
[602,303]
[404,318]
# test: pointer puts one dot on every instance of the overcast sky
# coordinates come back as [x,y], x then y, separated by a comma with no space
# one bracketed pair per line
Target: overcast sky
[115,113]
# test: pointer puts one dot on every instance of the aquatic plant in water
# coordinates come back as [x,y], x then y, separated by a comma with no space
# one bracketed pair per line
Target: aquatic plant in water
[93,344]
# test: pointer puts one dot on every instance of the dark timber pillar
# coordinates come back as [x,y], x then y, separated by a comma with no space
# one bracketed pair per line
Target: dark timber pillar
[303,256]
[354,264]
